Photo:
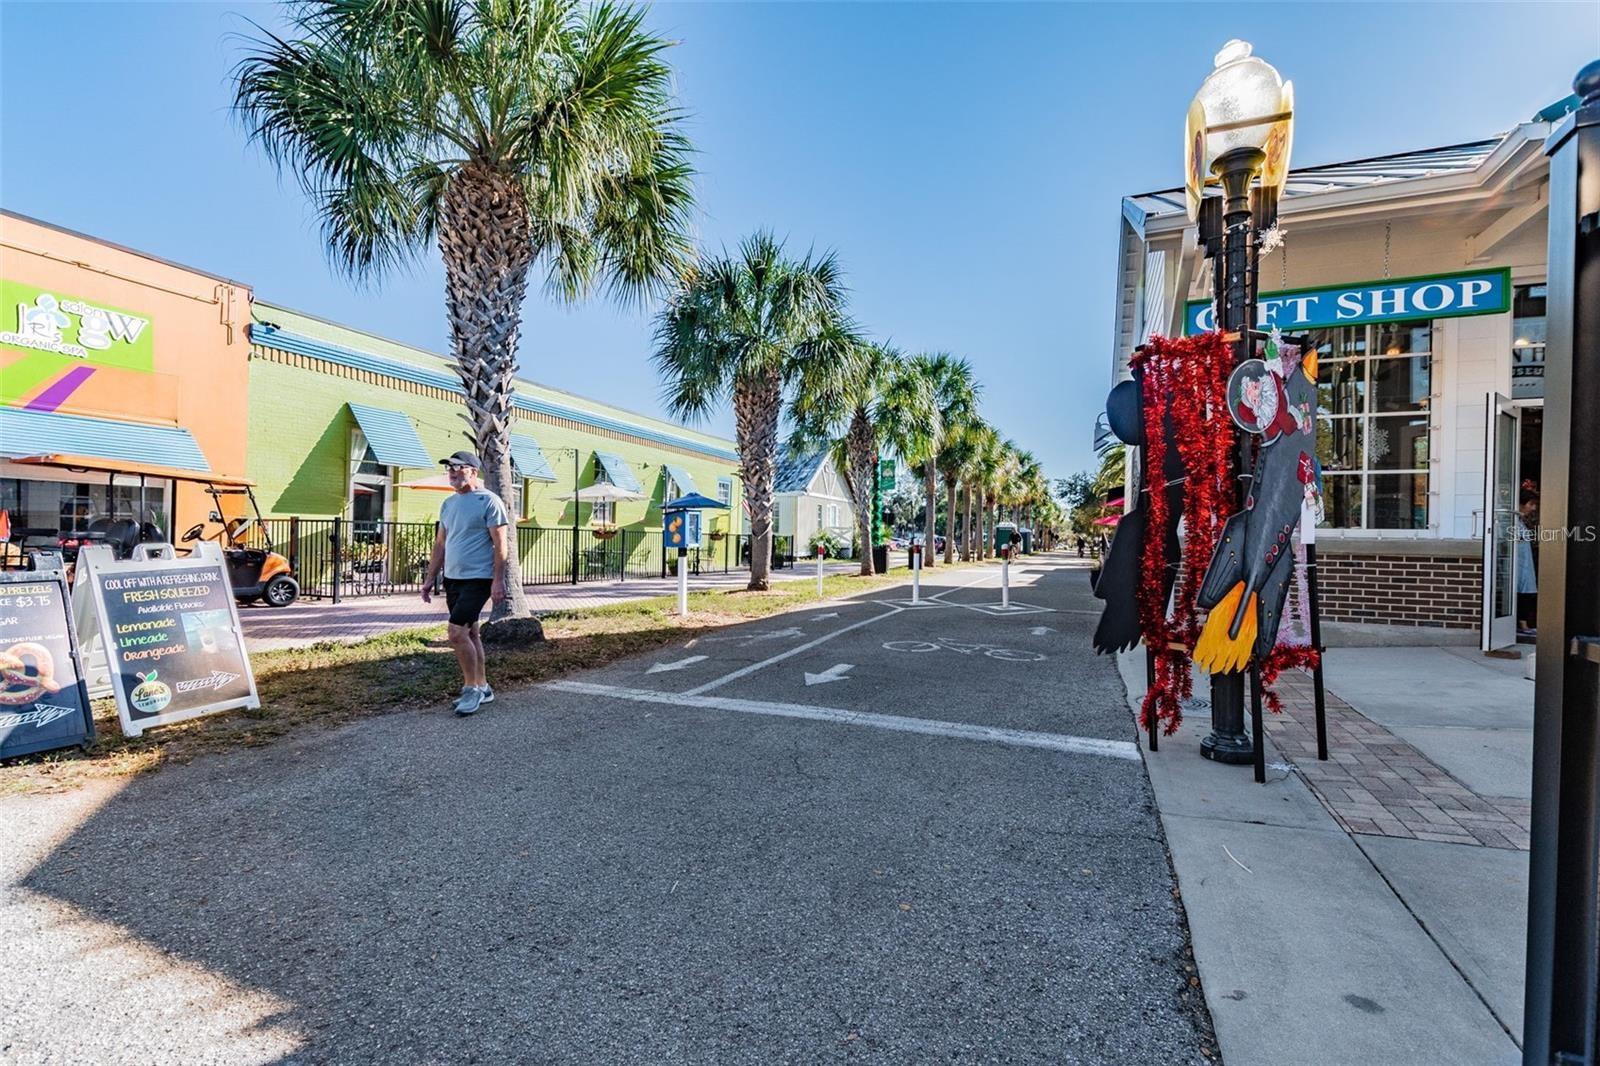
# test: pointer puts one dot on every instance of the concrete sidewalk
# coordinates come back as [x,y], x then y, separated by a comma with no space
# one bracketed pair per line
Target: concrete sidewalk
[356,618]
[1371,908]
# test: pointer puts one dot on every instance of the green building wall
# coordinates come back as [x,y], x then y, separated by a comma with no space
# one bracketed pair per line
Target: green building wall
[299,441]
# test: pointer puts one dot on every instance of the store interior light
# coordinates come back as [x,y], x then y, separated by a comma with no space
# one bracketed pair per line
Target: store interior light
[1242,88]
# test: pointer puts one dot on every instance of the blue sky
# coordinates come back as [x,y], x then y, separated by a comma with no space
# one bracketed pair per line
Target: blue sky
[966,161]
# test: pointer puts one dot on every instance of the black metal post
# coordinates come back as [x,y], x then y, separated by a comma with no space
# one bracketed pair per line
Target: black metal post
[1227,741]
[1314,609]
[1150,683]
[1260,749]
[1560,1005]
[574,516]
[338,553]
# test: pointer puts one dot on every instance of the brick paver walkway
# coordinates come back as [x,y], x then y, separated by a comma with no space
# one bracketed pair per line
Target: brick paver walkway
[357,618]
[1375,783]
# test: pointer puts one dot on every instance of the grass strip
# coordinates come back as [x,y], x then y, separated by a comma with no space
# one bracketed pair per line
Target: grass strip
[329,684]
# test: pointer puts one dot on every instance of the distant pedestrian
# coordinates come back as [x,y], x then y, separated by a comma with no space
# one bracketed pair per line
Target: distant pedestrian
[1081,545]
[471,548]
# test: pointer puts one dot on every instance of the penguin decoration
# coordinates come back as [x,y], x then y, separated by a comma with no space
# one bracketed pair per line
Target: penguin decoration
[1247,582]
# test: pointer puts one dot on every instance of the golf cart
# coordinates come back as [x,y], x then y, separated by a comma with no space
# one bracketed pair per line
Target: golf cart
[256,572]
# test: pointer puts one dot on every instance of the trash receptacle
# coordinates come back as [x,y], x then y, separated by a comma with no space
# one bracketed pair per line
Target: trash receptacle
[1004,534]
[1027,542]
[880,559]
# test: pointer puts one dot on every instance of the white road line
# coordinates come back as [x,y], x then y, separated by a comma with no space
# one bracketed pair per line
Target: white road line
[1017,738]
[782,655]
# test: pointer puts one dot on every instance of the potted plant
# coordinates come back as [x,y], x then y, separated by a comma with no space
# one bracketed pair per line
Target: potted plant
[603,532]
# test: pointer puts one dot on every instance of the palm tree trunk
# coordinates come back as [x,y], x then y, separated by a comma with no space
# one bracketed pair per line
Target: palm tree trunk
[931,498]
[968,541]
[984,540]
[755,415]
[486,243]
[861,444]
[949,516]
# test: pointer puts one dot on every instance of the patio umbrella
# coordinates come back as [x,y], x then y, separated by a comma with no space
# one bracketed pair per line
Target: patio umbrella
[605,492]
[693,502]
[1108,520]
[434,482]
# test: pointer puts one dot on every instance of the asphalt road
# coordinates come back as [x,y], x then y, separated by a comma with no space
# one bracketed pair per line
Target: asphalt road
[944,848]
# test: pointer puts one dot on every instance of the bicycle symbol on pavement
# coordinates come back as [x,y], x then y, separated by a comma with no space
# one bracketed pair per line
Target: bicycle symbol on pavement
[993,651]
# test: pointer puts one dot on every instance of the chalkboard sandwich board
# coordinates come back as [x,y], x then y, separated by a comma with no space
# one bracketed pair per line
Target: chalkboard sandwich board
[43,702]
[166,629]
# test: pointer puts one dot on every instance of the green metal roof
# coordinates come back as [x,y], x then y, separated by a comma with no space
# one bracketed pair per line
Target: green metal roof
[392,437]
[26,434]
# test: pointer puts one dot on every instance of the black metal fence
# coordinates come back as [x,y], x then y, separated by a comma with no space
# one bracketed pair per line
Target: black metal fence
[334,558]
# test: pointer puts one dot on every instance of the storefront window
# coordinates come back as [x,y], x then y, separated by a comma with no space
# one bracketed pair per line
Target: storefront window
[40,511]
[371,490]
[1373,390]
[1527,342]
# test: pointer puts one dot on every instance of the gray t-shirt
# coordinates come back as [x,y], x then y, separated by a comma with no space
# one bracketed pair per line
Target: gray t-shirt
[467,518]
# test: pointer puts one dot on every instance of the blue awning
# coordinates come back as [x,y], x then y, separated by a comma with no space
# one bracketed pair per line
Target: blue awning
[529,459]
[680,477]
[391,436]
[47,435]
[618,472]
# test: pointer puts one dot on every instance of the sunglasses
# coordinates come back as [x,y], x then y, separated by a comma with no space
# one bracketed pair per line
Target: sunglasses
[456,468]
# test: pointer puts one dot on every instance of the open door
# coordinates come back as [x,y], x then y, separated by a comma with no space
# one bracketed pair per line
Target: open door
[1500,524]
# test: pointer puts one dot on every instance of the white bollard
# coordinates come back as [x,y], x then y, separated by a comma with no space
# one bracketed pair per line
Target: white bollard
[1005,583]
[916,576]
[819,571]
[683,586]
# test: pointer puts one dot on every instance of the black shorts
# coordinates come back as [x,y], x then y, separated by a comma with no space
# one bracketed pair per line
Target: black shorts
[465,596]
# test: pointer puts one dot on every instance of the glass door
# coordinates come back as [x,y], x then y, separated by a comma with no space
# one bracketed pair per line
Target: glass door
[1500,524]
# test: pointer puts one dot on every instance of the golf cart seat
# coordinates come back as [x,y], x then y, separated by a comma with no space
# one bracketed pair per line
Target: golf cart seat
[123,536]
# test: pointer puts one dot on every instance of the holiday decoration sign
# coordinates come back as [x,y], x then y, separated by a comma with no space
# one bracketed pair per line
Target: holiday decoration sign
[168,628]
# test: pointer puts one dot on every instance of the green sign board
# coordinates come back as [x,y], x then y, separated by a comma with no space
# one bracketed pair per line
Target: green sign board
[886,475]
[55,323]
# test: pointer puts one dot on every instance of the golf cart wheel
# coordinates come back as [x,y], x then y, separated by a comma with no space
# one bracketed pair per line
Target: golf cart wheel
[281,591]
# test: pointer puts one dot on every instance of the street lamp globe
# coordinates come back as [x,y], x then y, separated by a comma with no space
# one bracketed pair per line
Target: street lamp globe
[1242,88]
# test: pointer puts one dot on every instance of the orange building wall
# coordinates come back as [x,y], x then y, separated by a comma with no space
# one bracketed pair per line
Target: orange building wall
[200,375]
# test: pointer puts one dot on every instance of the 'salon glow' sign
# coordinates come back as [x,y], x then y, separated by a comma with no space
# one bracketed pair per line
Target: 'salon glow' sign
[1479,292]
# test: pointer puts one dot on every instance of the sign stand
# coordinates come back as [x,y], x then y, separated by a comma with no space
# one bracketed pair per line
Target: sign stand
[916,574]
[1005,579]
[683,582]
[44,703]
[162,633]
[820,551]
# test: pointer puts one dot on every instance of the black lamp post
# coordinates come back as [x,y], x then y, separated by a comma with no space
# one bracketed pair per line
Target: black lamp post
[1560,1014]
[1234,277]
[1240,123]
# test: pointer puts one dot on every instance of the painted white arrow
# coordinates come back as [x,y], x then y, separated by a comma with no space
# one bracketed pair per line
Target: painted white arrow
[1040,631]
[832,673]
[661,668]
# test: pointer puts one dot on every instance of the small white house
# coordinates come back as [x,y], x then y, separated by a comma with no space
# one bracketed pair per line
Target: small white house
[810,495]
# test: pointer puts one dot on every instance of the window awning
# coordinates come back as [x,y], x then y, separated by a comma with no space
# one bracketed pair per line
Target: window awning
[529,459]
[45,436]
[680,477]
[391,436]
[618,472]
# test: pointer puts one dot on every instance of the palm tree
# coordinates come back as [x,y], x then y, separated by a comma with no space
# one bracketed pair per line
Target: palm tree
[956,394]
[753,326]
[514,134]
[958,446]
[883,405]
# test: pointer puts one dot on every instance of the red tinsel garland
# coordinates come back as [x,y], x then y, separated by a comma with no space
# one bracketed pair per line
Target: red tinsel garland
[1284,657]
[1187,379]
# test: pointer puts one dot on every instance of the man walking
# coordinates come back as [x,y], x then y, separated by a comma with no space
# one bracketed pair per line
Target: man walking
[471,548]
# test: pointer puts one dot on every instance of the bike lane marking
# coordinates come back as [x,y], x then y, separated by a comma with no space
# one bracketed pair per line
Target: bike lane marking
[745,671]
[1017,738]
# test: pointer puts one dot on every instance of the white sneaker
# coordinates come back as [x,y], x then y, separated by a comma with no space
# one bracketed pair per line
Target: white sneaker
[470,699]
[488,693]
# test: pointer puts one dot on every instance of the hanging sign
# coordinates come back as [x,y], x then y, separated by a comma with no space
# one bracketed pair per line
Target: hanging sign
[43,701]
[168,629]
[1474,292]
[886,475]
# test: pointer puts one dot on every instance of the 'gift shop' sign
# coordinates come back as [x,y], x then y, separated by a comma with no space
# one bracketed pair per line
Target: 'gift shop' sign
[1478,292]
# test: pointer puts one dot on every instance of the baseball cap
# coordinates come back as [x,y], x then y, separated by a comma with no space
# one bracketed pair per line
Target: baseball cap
[462,459]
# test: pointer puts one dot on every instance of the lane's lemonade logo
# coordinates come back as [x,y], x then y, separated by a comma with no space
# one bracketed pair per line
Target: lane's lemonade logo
[150,696]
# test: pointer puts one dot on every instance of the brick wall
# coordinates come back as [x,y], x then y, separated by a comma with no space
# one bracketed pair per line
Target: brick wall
[1403,589]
